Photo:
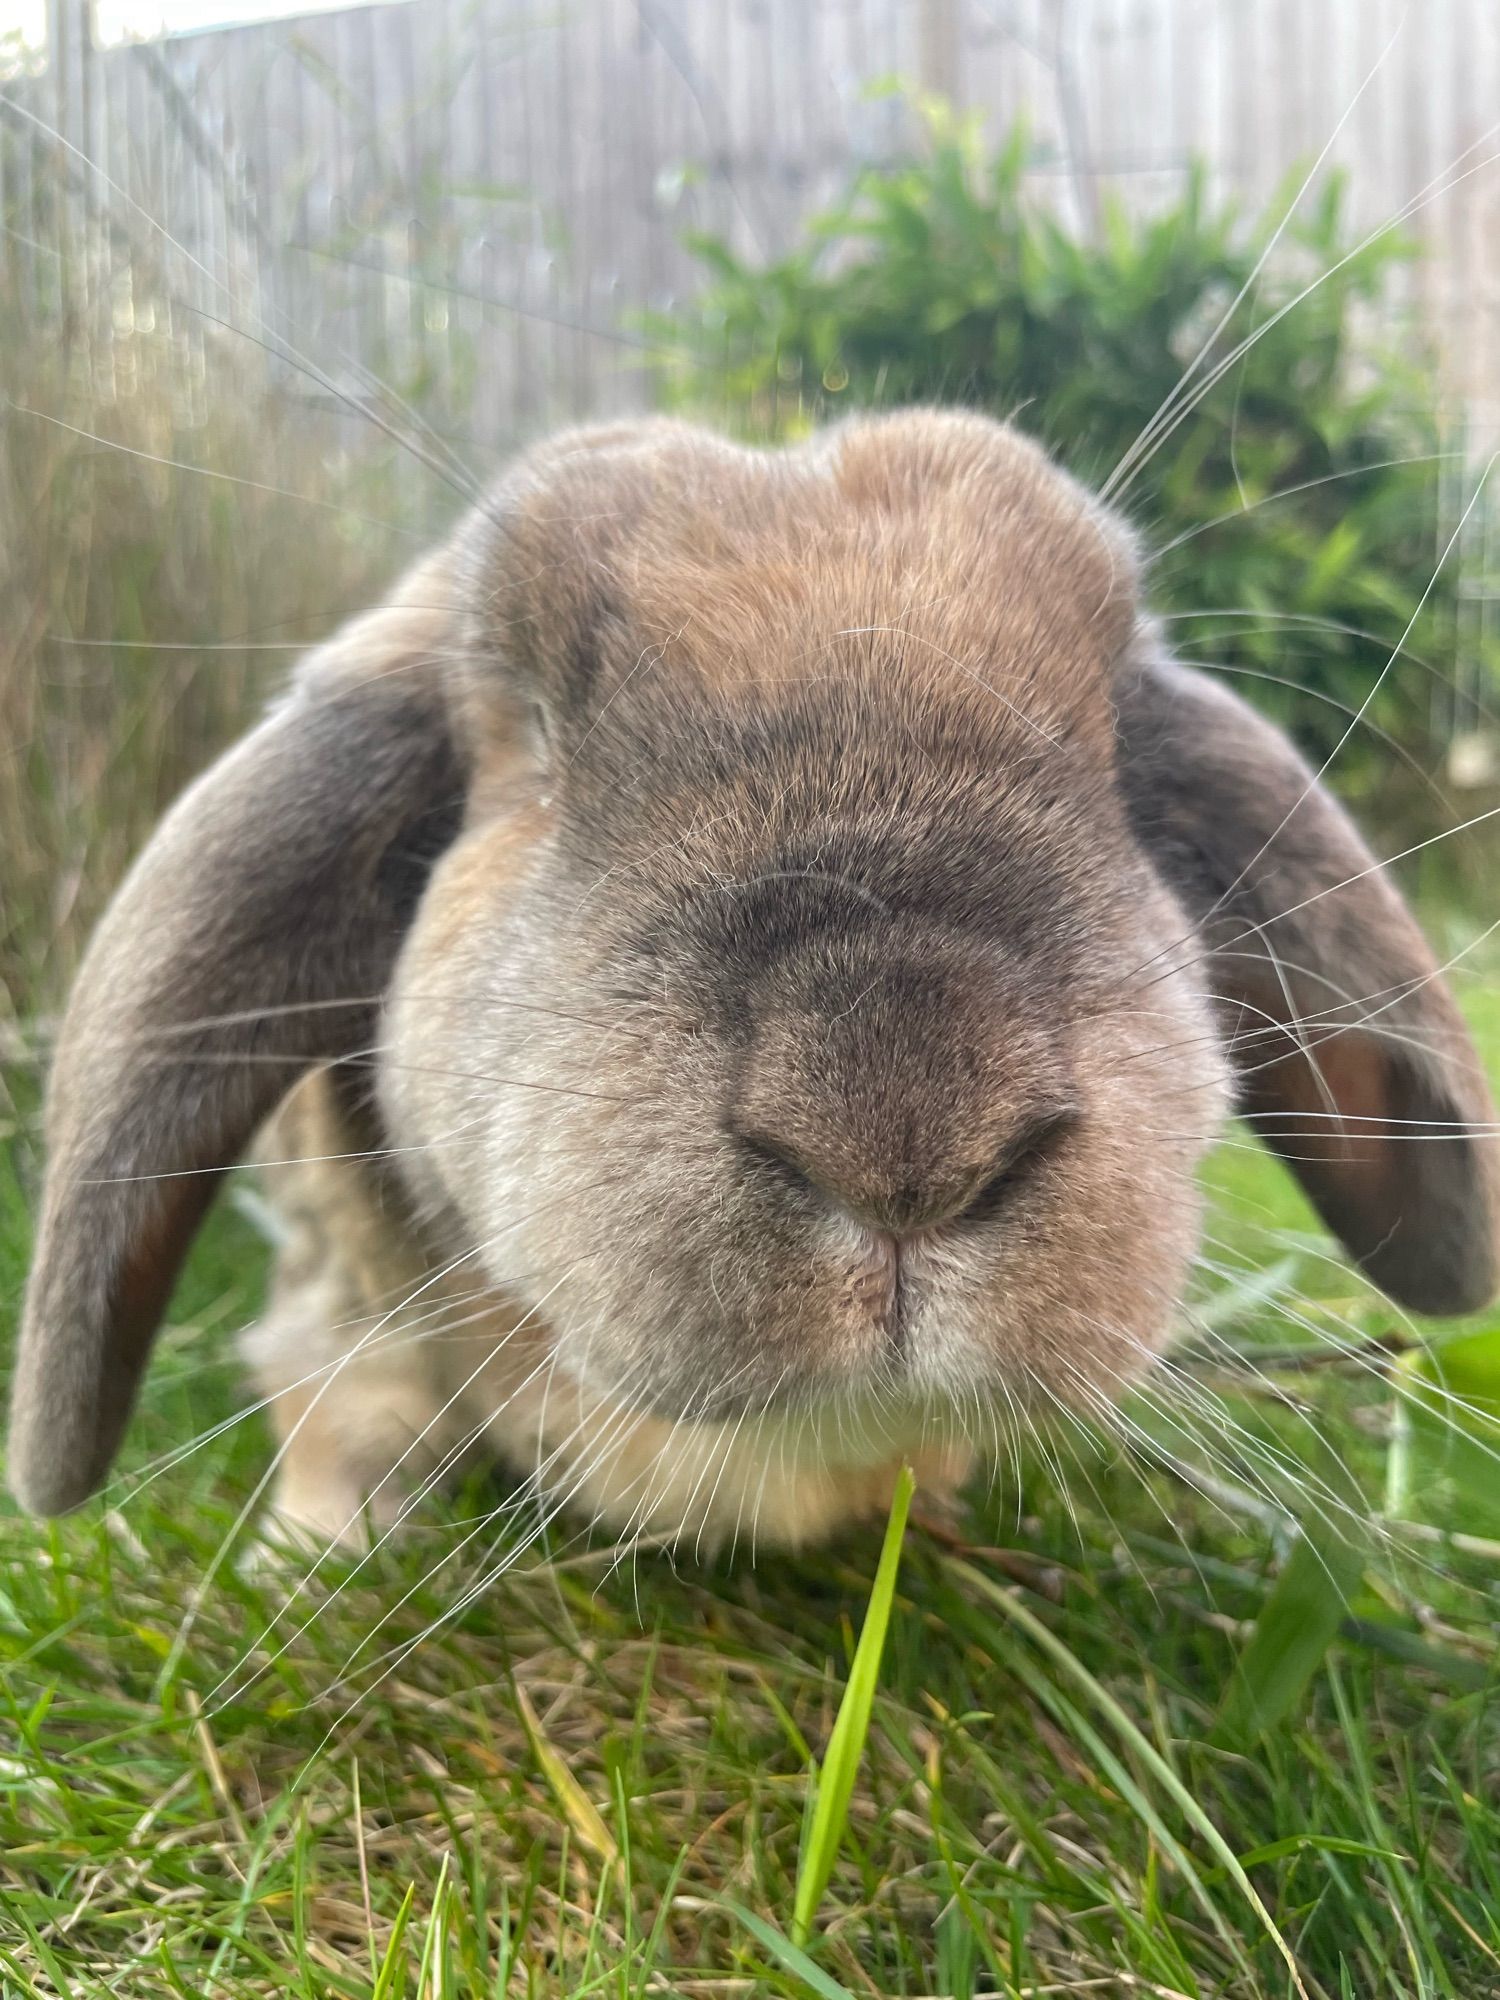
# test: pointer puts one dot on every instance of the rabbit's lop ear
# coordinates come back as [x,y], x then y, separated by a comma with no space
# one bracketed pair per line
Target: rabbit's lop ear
[1354,1063]
[253,938]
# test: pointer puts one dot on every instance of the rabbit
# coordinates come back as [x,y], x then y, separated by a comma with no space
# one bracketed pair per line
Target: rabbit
[741,956]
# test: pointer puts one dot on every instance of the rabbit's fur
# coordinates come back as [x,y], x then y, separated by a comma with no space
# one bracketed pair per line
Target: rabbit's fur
[770,939]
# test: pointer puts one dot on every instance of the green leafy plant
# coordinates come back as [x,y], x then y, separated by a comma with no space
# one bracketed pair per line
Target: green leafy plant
[1296,514]
[1445,1451]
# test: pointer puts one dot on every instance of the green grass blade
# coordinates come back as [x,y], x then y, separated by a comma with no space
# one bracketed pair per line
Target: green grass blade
[1129,1732]
[1297,1624]
[432,1982]
[582,1815]
[835,1781]
[786,1953]
[45,1956]
[390,1979]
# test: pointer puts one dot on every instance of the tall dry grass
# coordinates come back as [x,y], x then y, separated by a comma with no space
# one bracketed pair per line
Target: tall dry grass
[149,609]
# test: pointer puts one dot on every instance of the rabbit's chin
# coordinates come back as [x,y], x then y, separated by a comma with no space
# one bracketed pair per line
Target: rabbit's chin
[784,1478]
[353,1464]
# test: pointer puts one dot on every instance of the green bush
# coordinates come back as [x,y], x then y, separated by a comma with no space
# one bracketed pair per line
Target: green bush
[1295,515]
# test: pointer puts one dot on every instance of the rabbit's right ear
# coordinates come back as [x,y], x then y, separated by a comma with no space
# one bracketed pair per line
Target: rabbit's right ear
[253,938]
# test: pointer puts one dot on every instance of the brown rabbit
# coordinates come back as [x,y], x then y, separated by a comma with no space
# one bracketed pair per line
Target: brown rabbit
[765,938]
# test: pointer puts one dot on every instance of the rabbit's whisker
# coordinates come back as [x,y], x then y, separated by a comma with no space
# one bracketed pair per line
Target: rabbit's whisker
[339,507]
[252,1502]
[394,1333]
[614,1441]
[1182,396]
[1357,1352]
[352,1522]
[1167,420]
[1159,554]
[507,1509]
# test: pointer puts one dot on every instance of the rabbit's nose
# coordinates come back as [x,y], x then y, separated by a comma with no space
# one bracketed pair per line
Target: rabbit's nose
[892,1201]
[911,1097]
[901,1199]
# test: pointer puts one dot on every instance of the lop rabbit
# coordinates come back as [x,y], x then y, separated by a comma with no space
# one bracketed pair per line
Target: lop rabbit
[741,956]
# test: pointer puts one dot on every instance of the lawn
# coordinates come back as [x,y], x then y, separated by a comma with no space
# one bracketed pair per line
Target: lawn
[595,1777]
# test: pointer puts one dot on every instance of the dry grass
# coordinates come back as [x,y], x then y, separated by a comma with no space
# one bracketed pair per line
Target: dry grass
[174,525]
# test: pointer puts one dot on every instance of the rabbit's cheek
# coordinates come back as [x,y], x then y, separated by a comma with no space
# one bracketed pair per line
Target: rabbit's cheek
[443,1035]
[1101,1300]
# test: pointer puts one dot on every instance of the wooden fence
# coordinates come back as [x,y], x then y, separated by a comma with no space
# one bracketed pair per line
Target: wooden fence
[486,193]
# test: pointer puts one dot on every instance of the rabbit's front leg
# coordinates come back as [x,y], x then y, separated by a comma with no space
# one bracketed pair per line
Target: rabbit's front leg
[349,1353]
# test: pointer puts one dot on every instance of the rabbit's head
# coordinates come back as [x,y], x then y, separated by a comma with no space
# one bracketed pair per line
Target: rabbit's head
[794,934]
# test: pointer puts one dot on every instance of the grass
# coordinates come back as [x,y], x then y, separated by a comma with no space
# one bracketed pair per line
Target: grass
[154,596]
[592,1782]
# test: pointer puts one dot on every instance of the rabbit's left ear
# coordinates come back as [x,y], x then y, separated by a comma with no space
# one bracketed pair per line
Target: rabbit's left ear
[1354,1063]
[253,938]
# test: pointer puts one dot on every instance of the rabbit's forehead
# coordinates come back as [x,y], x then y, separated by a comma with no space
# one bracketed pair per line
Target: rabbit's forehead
[885,655]
[940,551]
[751,833]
